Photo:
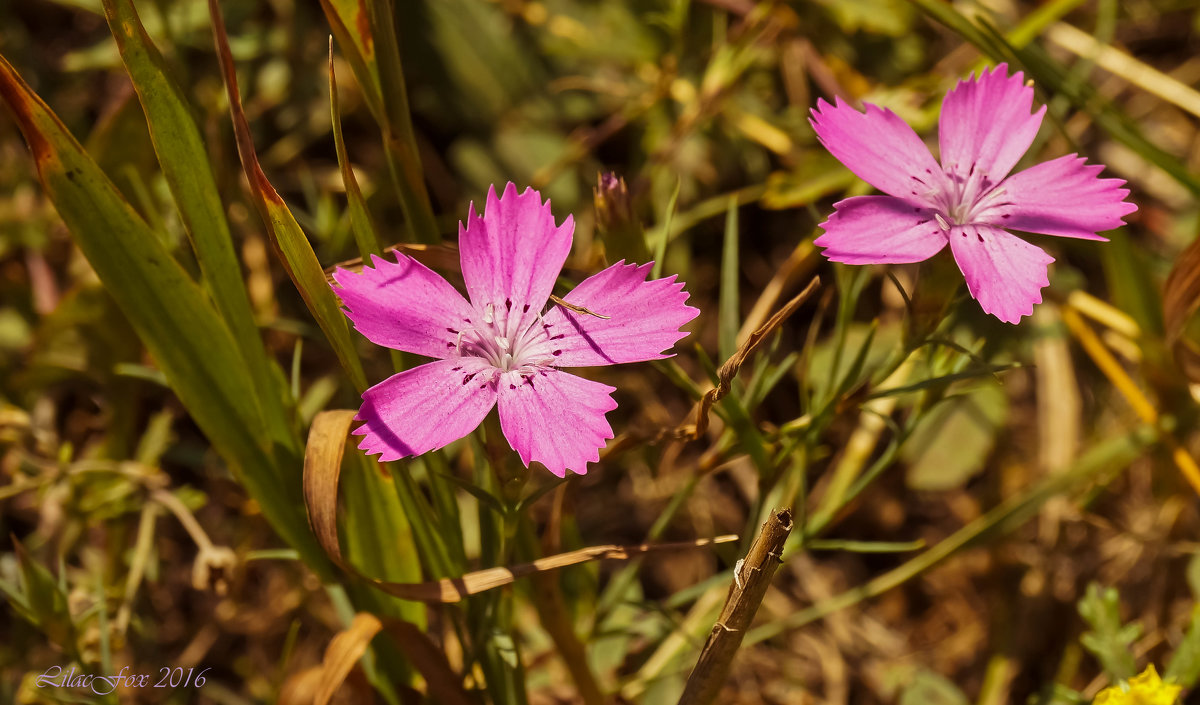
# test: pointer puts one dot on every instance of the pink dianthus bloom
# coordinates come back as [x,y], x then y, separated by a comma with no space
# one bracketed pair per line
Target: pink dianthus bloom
[502,347]
[969,200]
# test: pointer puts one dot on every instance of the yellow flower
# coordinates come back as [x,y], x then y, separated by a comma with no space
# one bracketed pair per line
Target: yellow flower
[1146,689]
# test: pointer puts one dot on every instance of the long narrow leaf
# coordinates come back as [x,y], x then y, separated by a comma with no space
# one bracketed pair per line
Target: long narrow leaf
[729,318]
[367,34]
[293,248]
[365,234]
[350,22]
[184,160]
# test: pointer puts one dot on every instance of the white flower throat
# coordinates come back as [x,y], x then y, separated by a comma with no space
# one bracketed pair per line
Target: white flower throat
[959,200]
[509,340]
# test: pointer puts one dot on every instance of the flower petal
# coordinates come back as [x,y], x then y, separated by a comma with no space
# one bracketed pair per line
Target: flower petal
[643,318]
[1063,196]
[878,230]
[555,418]
[512,254]
[985,126]
[879,148]
[425,408]
[403,305]
[1004,273]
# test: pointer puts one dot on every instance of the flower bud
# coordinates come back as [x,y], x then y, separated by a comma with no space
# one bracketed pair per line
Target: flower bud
[618,227]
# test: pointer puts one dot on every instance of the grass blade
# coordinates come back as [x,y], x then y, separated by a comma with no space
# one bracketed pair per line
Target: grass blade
[729,319]
[293,248]
[365,234]
[184,161]
[350,22]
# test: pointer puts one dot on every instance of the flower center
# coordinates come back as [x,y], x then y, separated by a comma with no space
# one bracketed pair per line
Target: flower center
[509,338]
[963,199]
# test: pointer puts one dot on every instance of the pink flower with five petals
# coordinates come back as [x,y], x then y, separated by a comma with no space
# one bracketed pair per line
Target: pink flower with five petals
[502,348]
[969,200]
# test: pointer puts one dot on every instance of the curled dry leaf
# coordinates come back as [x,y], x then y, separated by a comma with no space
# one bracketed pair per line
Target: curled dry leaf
[317,685]
[322,470]
[1181,304]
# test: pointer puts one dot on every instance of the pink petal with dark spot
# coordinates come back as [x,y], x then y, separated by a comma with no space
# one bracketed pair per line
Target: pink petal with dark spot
[555,418]
[878,230]
[879,148]
[403,305]
[512,254]
[643,322]
[1063,196]
[1004,273]
[425,408]
[986,124]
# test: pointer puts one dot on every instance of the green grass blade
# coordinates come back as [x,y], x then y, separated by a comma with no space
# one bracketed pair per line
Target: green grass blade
[366,33]
[184,161]
[171,314]
[1113,453]
[399,140]
[660,244]
[729,318]
[350,22]
[365,234]
[292,246]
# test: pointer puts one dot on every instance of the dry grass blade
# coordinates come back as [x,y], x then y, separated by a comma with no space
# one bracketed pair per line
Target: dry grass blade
[322,470]
[1138,73]
[1181,299]
[1122,382]
[752,577]
[344,650]
[801,261]
[730,369]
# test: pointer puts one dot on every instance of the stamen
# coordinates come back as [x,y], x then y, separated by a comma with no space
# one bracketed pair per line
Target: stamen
[941,221]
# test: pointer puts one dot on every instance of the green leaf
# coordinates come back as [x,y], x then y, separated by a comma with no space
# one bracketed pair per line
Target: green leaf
[1110,639]
[184,161]
[367,34]
[350,22]
[377,535]
[45,600]
[485,498]
[169,311]
[952,441]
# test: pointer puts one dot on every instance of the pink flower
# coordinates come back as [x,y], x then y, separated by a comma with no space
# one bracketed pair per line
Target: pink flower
[501,347]
[984,129]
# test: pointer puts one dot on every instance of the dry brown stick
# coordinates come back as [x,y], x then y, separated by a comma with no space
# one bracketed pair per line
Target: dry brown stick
[750,582]
[731,366]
